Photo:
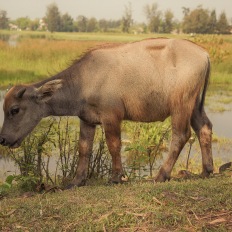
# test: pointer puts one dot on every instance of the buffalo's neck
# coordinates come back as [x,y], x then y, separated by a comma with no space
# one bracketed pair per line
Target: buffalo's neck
[65,102]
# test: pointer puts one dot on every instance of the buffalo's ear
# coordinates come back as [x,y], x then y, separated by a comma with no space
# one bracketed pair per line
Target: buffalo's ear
[45,92]
[20,93]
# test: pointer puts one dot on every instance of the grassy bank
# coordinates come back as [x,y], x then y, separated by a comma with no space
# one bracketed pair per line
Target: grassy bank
[35,55]
[196,205]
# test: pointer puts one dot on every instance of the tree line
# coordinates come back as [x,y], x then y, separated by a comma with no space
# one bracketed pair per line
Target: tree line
[198,20]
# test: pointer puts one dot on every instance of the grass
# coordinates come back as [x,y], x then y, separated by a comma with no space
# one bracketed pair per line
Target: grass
[35,59]
[196,205]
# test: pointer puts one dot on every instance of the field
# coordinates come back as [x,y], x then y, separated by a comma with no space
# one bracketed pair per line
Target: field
[190,205]
[37,55]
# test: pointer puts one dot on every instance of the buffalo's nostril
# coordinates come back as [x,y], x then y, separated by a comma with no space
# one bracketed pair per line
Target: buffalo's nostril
[2,140]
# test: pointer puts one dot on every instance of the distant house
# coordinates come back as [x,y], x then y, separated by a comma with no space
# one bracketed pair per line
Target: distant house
[42,25]
[14,27]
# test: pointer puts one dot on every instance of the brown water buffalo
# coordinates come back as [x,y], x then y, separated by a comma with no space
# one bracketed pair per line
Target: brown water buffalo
[143,81]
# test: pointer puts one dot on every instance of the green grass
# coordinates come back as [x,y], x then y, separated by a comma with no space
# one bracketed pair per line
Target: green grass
[196,205]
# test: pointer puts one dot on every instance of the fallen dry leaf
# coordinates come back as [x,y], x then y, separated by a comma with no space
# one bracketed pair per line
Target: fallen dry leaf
[217,221]
[157,201]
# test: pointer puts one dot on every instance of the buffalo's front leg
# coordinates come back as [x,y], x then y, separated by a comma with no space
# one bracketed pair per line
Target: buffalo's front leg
[85,149]
[113,140]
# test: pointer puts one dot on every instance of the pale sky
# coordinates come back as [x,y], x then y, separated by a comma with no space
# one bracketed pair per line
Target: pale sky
[108,9]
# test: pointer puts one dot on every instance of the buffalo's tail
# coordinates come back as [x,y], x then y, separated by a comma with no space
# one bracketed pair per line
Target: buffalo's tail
[207,76]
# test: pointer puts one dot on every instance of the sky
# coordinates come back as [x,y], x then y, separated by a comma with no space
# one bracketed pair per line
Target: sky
[108,9]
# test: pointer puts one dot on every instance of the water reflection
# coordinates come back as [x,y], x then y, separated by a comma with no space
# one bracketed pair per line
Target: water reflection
[7,167]
[222,123]
[12,39]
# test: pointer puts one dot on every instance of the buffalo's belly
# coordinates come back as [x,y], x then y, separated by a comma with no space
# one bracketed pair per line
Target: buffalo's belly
[146,111]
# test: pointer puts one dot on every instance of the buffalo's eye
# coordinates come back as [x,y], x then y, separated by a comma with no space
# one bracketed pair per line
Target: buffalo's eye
[14,111]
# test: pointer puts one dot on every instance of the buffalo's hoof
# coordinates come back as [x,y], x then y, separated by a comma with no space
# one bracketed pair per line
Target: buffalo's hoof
[161,177]
[206,174]
[117,178]
[75,184]
[70,186]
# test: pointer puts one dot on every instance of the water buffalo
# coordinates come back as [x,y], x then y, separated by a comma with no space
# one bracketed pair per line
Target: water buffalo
[142,81]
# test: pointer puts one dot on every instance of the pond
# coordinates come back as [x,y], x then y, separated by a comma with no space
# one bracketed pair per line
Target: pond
[222,127]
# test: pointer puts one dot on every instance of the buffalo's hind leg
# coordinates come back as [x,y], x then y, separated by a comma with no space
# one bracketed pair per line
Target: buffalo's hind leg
[86,138]
[113,139]
[203,129]
[180,134]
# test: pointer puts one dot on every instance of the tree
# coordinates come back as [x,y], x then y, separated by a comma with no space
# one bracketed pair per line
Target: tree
[153,16]
[53,18]
[168,22]
[185,11]
[82,23]
[103,25]
[127,18]
[222,24]
[23,23]
[3,20]
[91,25]
[212,22]
[197,21]
[34,25]
[66,23]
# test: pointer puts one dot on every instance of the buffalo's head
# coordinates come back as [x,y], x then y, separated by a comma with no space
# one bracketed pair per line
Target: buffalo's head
[24,107]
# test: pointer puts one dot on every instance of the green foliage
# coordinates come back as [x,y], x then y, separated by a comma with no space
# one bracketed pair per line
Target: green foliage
[29,156]
[66,140]
[215,46]
[27,182]
[23,23]
[145,146]
[6,186]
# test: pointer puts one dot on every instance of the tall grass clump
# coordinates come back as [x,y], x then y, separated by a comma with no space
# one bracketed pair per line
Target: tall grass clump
[220,51]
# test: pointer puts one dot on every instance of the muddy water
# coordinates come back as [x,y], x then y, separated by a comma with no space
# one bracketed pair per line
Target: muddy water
[222,127]
[222,123]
